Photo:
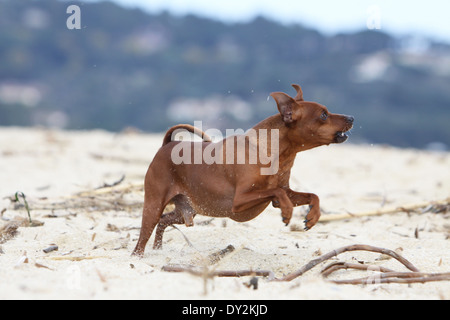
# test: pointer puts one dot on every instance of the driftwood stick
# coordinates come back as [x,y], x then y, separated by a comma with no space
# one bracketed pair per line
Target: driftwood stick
[77,258]
[406,208]
[218,273]
[345,265]
[398,277]
[355,247]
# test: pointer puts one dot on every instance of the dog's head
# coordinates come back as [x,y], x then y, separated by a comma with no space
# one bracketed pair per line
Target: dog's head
[311,124]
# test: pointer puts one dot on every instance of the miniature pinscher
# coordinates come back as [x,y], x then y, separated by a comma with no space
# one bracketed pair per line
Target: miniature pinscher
[228,179]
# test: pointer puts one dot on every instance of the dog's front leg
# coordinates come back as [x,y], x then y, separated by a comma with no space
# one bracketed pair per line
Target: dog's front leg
[247,200]
[299,199]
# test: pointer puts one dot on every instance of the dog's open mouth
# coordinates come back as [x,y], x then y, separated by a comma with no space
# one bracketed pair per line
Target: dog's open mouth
[340,137]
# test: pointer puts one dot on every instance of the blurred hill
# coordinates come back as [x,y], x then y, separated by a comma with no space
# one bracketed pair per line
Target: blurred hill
[128,68]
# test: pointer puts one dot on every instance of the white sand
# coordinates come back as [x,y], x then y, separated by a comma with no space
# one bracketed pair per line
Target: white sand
[346,177]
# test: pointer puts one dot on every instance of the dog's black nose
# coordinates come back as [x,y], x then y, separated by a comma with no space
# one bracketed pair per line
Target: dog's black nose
[350,119]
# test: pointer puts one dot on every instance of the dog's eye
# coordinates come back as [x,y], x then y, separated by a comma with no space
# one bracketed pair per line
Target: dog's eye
[324,116]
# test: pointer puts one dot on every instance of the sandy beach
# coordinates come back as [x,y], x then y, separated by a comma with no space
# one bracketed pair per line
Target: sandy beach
[96,231]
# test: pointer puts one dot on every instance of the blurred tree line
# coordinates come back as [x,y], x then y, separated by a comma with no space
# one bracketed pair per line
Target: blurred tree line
[125,67]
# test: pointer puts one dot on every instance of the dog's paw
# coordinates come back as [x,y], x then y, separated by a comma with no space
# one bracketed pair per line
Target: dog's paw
[312,217]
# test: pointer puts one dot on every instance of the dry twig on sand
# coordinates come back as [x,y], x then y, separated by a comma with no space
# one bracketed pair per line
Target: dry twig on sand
[77,258]
[199,271]
[433,206]
[110,185]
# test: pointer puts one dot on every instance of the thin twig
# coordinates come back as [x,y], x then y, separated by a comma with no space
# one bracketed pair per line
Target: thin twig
[197,271]
[398,277]
[110,185]
[184,236]
[124,188]
[345,265]
[77,258]
[406,208]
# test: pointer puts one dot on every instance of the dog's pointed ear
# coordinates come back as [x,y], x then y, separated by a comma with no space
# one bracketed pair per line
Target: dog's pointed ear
[285,105]
[299,96]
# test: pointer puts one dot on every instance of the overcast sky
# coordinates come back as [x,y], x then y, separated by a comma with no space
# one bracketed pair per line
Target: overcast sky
[400,17]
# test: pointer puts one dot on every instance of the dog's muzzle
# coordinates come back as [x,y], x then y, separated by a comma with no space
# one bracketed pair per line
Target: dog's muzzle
[341,136]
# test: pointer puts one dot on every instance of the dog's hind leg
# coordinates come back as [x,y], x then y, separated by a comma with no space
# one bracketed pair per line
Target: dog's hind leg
[183,213]
[153,208]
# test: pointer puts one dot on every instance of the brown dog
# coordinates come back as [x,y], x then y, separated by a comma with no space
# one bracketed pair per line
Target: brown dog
[227,179]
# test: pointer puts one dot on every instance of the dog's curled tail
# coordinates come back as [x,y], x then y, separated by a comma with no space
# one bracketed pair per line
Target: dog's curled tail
[182,127]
